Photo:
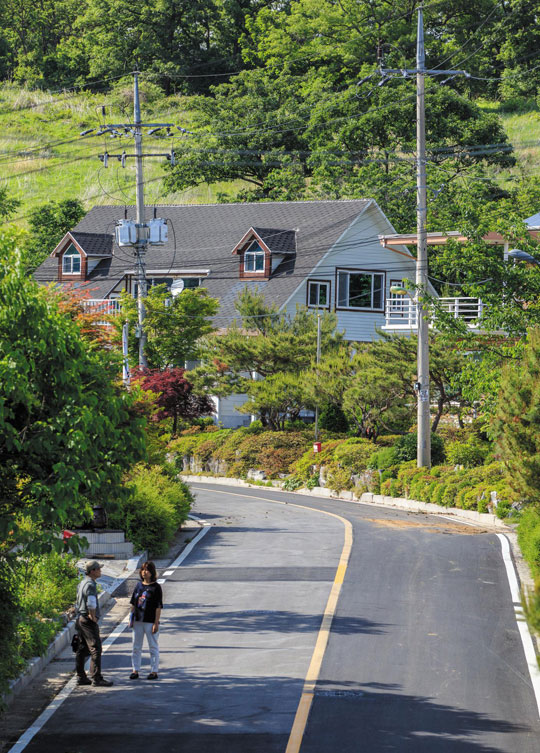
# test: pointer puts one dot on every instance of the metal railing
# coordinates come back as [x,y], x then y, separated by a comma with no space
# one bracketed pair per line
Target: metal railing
[401,312]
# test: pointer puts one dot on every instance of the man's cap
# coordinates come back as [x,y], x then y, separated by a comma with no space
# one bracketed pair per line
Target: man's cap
[92,565]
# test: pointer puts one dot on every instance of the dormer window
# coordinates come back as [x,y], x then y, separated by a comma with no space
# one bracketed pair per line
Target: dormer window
[262,251]
[71,261]
[254,258]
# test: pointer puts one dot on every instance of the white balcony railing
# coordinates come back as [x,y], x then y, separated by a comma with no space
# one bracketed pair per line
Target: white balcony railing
[401,312]
[105,306]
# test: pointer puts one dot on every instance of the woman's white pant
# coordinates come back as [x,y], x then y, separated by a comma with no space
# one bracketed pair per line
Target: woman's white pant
[140,629]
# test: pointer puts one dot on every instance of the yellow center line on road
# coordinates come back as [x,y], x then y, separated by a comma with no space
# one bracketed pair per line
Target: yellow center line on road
[306,699]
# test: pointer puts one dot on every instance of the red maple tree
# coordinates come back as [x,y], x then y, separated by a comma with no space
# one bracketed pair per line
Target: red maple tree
[174,395]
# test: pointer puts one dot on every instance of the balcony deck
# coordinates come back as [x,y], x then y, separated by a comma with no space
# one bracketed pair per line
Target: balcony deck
[401,313]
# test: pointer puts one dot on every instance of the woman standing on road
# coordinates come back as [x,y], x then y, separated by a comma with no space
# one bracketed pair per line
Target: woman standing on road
[146,605]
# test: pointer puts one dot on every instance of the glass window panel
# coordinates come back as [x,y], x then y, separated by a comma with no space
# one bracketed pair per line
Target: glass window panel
[360,290]
[323,295]
[377,291]
[191,282]
[312,293]
[343,289]
[253,262]
[71,261]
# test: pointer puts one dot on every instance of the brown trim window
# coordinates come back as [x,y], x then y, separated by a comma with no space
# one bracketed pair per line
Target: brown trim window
[318,295]
[357,289]
[71,261]
[254,259]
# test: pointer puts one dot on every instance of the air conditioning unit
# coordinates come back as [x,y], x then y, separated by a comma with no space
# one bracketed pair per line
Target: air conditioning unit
[158,231]
[126,233]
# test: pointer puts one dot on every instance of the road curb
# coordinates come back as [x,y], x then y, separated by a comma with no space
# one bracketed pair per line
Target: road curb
[367,498]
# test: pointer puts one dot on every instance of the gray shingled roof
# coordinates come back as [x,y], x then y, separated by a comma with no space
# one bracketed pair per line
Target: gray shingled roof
[201,236]
[278,241]
[95,244]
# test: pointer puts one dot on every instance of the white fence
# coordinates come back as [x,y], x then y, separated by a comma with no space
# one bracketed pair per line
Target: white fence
[105,306]
[401,312]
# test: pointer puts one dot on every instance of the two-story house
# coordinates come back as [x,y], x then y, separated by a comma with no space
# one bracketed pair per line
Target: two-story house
[319,254]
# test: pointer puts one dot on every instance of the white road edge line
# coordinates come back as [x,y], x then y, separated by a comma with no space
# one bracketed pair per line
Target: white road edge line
[453,519]
[66,691]
[526,639]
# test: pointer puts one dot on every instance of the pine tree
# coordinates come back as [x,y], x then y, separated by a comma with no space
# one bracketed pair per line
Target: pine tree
[518,421]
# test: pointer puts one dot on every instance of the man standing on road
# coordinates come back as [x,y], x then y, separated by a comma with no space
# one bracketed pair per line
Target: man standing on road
[88,629]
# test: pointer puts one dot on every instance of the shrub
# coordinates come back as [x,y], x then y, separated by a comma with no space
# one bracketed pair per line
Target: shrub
[302,468]
[405,447]
[338,479]
[354,454]
[469,454]
[382,459]
[154,511]
[529,537]
[10,659]
[43,587]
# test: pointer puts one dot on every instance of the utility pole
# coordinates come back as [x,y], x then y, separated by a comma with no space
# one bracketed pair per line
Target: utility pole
[318,361]
[423,449]
[139,234]
[142,229]
[422,385]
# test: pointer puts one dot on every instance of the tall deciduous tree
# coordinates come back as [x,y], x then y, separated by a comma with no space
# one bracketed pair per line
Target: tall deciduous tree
[48,225]
[67,430]
[173,325]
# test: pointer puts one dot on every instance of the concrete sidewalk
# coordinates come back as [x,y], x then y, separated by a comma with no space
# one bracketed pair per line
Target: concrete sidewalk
[46,676]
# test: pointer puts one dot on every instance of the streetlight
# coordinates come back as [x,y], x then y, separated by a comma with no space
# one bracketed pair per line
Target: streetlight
[423,445]
[519,255]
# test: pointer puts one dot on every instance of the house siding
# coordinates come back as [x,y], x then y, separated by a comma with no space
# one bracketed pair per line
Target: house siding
[359,249]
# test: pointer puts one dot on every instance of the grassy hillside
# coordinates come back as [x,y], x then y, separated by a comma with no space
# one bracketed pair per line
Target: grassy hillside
[43,157]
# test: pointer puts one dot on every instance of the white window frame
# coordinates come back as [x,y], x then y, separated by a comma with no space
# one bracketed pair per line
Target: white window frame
[345,304]
[318,284]
[251,257]
[71,254]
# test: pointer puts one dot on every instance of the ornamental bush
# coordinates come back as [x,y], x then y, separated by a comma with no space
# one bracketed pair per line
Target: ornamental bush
[155,509]
[469,454]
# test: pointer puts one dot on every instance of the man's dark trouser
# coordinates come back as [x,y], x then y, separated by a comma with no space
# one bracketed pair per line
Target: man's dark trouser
[90,645]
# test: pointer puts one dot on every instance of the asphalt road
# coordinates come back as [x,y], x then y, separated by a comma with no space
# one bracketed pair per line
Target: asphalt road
[423,655]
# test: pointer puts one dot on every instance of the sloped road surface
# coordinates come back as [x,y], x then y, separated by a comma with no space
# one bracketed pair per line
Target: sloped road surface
[423,652]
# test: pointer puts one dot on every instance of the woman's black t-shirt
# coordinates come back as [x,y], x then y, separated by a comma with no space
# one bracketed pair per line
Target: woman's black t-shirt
[146,599]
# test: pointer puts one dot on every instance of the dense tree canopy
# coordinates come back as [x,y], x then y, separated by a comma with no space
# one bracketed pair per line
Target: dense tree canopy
[173,325]
[67,430]
[48,225]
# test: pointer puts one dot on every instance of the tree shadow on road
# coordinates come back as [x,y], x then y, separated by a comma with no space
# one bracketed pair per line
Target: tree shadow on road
[375,717]
[254,621]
